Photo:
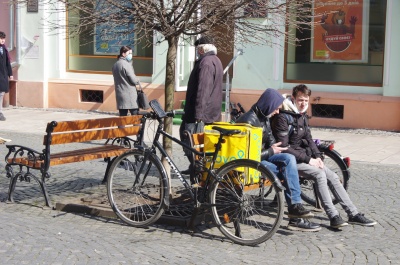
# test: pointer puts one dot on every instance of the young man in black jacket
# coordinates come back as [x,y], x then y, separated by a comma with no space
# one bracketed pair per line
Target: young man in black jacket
[299,143]
[281,164]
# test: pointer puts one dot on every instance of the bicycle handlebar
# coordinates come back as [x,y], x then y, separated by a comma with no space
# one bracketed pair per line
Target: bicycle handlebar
[158,112]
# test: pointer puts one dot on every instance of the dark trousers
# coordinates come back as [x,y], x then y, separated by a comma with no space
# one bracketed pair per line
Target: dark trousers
[124,112]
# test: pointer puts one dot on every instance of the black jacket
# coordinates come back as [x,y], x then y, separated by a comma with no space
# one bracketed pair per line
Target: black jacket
[5,71]
[255,118]
[204,90]
[300,143]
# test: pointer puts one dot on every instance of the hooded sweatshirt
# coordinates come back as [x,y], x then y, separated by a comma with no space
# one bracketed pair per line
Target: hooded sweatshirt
[258,116]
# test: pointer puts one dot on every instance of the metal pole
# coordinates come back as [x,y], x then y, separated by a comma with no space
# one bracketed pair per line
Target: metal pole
[227,99]
[227,87]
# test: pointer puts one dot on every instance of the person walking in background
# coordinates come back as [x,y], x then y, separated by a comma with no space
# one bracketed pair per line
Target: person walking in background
[5,72]
[299,143]
[281,164]
[204,91]
[125,82]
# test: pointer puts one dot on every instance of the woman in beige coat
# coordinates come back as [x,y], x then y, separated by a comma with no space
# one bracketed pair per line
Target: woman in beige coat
[125,82]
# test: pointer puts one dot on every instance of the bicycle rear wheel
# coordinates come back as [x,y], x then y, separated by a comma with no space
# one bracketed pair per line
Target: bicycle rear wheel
[334,162]
[137,188]
[246,214]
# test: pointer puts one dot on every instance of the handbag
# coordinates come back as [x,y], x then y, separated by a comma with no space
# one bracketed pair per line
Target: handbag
[142,100]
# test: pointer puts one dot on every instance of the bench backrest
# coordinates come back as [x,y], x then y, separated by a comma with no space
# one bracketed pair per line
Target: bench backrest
[88,130]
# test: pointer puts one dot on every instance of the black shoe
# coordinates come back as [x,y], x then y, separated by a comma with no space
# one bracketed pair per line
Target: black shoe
[304,225]
[297,210]
[186,172]
[360,219]
[337,222]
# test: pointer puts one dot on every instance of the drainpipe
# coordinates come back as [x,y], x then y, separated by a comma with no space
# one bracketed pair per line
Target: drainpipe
[18,34]
[11,37]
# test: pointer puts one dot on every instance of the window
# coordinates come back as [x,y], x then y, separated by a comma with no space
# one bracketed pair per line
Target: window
[97,47]
[345,45]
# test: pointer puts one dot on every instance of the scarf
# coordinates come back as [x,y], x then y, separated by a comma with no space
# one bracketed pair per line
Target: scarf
[6,52]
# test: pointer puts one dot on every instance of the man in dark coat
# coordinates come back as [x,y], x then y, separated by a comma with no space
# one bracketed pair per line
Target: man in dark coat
[204,90]
[5,72]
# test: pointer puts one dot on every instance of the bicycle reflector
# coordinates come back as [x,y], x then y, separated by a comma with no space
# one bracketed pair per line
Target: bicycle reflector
[347,161]
[331,146]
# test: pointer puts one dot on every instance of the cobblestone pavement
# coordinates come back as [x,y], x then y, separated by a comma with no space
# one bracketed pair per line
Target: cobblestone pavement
[33,234]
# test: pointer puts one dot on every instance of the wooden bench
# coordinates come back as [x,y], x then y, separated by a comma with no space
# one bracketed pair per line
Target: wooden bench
[114,130]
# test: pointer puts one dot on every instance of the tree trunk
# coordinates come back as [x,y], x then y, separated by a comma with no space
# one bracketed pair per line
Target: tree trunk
[169,95]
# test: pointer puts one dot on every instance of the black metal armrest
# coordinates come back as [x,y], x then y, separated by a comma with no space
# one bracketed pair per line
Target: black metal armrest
[16,152]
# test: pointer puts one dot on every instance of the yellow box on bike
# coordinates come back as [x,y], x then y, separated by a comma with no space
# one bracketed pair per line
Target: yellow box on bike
[247,144]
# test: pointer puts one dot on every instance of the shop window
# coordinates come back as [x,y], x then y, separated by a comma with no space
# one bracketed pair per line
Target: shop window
[345,45]
[96,48]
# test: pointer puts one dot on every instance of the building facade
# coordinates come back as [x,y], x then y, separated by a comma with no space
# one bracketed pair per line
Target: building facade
[349,59]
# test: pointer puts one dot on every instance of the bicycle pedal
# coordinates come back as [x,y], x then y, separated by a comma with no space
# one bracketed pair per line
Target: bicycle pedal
[318,210]
[196,186]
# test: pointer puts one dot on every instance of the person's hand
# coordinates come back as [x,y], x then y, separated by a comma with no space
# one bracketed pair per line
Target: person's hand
[277,149]
[316,163]
[11,77]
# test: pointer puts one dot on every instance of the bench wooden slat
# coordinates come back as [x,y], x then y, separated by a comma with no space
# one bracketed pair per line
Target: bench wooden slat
[77,125]
[79,155]
[84,136]
[88,156]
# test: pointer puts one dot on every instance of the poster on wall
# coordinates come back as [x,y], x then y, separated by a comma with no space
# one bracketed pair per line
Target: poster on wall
[109,37]
[340,31]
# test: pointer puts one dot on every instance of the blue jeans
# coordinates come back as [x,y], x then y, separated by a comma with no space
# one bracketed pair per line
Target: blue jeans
[285,167]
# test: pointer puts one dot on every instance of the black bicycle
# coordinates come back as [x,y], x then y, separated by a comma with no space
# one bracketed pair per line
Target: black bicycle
[139,190]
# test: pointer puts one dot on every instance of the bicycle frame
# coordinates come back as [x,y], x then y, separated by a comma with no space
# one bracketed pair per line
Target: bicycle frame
[156,145]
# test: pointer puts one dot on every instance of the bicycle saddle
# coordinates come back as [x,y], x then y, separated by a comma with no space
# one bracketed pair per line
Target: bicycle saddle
[226,132]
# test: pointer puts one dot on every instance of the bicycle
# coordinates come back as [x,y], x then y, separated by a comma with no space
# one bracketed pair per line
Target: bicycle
[332,159]
[138,188]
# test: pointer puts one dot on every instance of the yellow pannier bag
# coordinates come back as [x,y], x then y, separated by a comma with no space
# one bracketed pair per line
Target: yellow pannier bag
[247,144]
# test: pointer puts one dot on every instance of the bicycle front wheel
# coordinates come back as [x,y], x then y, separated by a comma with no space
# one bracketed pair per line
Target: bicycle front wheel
[334,162]
[137,188]
[246,213]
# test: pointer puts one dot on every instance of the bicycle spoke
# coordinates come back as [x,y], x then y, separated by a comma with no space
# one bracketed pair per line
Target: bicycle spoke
[242,212]
[136,188]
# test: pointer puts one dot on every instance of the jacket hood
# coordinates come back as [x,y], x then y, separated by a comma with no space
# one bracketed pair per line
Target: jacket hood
[269,101]
[288,105]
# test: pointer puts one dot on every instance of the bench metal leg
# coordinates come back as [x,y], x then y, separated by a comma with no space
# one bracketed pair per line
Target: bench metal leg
[26,177]
[13,180]
[317,200]
[109,162]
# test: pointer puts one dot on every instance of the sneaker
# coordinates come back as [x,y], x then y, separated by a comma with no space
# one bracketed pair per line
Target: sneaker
[337,222]
[2,118]
[360,219]
[300,224]
[298,211]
